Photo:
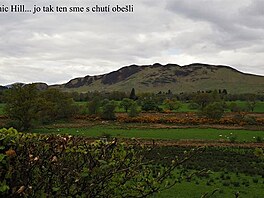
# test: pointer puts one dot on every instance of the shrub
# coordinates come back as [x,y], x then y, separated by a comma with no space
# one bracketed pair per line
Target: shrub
[65,166]
[133,111]
[108,111]
[226,183]
[255,180]
[193,106]
[149,105]
[249,120]
[93,106]
[236,184]
[27,106]
[126,104]
[234,107]
[213,111]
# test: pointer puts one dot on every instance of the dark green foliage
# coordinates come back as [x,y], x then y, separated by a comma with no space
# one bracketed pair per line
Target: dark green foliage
[250,105]
[255,180]
[203,99]
[172,104]
[214,110]
[234,107]
[126,104]
[56,105]
[132,95]
[108,111]
[250,120]
[251,102]
[133,110]
[193,106]
[150,105]
[65,166]
[26,106]
[94,106]
[23,105]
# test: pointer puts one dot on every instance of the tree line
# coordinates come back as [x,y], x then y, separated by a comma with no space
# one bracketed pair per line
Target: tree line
[27,106]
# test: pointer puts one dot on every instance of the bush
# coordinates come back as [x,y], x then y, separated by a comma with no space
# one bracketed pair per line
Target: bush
[65,166]
[213,111]
[26,106]
[255,180]
[93,106]
[149,105]
[250,120]
[234,107]
[236,184]
[133,111]
[226,183]
[108,111]
[193,106]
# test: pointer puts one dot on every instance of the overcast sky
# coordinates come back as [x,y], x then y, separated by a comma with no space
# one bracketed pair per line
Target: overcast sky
[56,47]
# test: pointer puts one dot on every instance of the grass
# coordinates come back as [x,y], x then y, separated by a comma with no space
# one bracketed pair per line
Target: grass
[226,187]
[171,134]
[259,108]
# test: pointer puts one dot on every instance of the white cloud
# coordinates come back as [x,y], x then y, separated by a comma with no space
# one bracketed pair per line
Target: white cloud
[54,48]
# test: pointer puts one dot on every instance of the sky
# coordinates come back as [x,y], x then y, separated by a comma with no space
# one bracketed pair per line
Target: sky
[56,47]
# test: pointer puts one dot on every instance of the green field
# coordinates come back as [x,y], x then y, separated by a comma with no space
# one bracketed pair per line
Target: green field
[247,186]
[171,134]
[226,183]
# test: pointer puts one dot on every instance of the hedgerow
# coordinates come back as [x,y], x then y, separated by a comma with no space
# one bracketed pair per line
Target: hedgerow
[67,166]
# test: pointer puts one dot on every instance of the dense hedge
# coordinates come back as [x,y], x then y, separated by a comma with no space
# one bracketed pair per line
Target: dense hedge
[65,166]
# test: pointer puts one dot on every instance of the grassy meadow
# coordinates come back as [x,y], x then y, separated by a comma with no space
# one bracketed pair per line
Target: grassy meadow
[224,185]
[165,134]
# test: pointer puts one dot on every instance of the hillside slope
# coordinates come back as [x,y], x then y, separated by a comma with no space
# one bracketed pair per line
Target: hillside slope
[157,77]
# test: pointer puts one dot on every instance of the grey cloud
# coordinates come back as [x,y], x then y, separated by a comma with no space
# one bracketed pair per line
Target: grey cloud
[57,47]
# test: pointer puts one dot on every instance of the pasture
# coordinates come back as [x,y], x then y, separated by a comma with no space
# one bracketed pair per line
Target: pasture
[165,134]
[224,185]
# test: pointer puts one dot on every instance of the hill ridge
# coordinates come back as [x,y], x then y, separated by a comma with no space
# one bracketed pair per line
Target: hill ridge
[157,77]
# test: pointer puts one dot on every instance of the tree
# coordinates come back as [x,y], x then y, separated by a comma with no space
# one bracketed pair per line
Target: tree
[22,105]
[149,105]
[126,103]
[251,102]
[214,110]
[133,95]
[94,106]
[108,111]
[203,99]
[133,110]
[26,106]
[56,105]
[234,107]
[172,104]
